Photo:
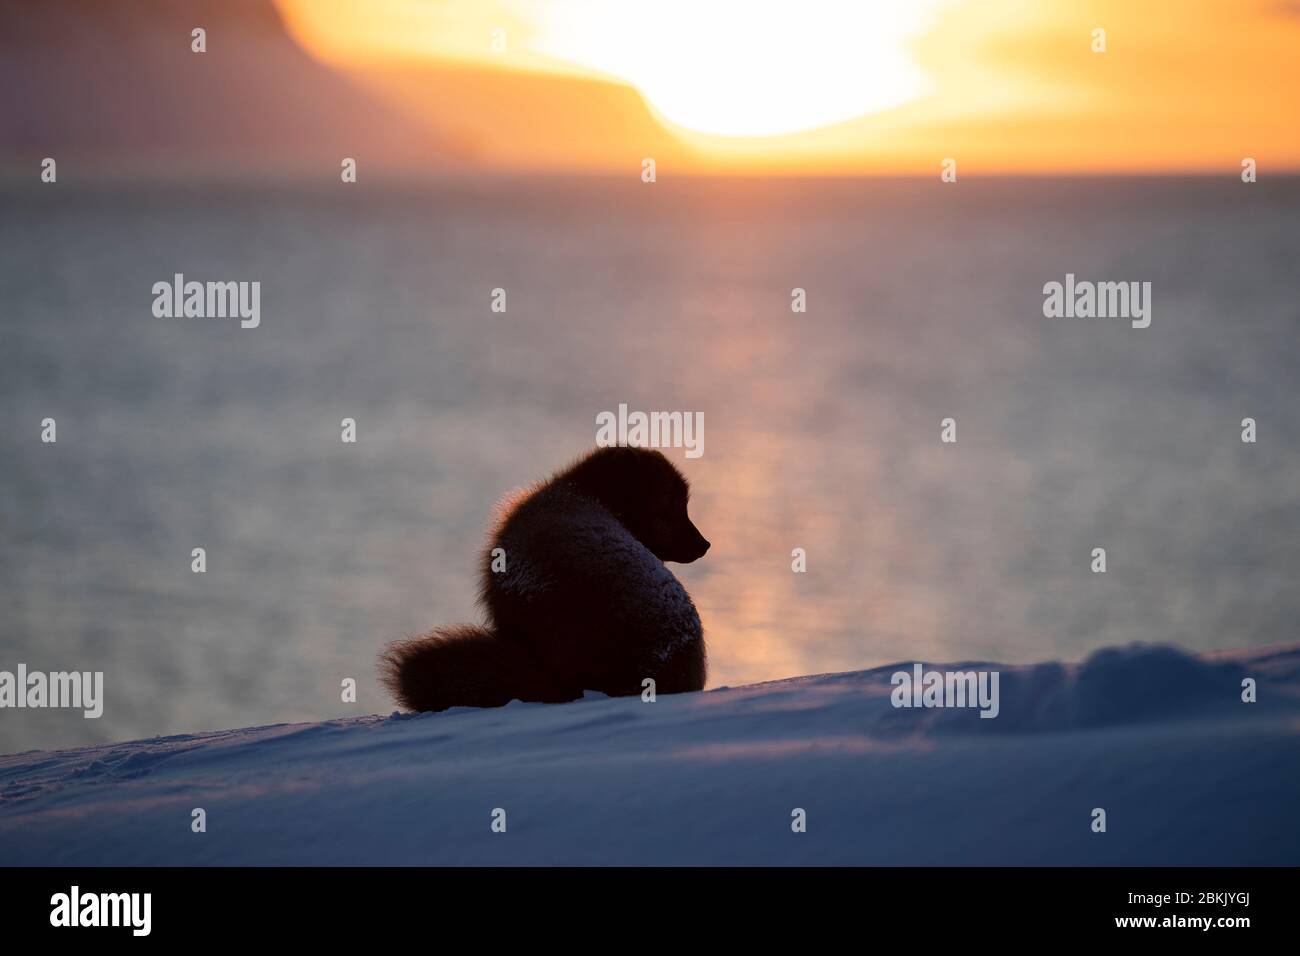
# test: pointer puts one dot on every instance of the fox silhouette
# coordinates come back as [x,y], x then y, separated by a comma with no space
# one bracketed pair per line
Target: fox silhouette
[583,602]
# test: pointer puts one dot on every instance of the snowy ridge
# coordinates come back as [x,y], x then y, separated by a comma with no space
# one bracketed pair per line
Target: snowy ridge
[1187,774]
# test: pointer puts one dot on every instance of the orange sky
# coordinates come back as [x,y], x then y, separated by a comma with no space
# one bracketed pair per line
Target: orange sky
[833,87]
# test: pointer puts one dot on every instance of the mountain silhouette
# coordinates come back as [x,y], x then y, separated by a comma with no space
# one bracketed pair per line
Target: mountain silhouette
[116,84]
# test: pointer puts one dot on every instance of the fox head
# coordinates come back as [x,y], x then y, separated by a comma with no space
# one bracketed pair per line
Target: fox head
[647,495]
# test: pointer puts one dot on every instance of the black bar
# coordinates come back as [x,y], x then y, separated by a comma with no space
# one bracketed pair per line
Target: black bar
[438,908]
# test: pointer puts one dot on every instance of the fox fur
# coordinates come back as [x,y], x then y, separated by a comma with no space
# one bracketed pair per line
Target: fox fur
[584,601]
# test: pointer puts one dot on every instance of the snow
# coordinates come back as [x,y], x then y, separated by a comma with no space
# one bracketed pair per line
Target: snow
[1186,771]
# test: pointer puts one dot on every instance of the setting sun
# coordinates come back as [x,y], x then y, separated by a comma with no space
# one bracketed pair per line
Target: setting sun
[746,69]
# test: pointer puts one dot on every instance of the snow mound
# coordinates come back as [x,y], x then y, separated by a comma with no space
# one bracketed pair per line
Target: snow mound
[1186,771]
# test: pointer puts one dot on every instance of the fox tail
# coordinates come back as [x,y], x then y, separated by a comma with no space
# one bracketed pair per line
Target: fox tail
[465,665]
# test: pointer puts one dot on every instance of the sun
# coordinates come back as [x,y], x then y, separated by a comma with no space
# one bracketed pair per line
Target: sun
[747,67]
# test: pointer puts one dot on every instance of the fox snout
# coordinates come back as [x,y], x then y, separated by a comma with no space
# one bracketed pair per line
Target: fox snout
[692,549]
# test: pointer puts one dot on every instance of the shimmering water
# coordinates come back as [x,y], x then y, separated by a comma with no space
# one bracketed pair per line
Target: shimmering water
[822,429]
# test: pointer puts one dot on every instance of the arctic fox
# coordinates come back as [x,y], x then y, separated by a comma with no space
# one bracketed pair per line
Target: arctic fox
[576,595]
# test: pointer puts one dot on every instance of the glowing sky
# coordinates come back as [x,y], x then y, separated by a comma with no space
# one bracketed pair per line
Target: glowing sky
[838,86]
